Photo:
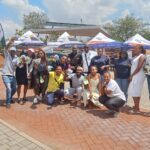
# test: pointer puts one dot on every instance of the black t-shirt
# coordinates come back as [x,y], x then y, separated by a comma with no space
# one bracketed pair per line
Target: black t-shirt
[122,67]
[100,61]
[75,58]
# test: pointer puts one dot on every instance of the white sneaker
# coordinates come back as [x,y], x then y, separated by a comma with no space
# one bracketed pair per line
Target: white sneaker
[35,100]
[39,98]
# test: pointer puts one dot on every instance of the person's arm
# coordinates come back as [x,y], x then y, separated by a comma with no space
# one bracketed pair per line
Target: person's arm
[115,71]
[10,43]
[140,65]
[107,92]
[92,62]
[89,86]
[99,85]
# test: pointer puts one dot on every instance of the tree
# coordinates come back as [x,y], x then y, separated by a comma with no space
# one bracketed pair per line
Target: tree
[124,28]
[35,20]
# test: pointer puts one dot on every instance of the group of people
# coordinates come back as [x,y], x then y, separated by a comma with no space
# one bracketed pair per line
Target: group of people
[86,71]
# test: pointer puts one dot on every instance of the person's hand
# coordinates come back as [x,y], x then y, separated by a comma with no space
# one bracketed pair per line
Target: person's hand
[23,60]
[12,39]
[91,96]
[130,78]
[102,68]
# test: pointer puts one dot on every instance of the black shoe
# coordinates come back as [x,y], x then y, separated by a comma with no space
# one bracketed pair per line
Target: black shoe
[12,101]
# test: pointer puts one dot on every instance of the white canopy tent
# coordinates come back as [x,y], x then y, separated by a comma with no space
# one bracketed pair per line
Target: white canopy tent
[102,41]
[29,39]
[65,41]
[137,40]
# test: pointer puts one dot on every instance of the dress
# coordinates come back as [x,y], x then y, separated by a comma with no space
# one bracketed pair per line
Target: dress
[21,75]
[136,85]
[95,93]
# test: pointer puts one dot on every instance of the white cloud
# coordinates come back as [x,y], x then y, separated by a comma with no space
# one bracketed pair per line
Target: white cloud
[126,12]
[9,27]
[91,11]
[20,6]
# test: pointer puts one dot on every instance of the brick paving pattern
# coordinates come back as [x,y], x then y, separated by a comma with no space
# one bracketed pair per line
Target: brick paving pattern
[66,127]
[11,140]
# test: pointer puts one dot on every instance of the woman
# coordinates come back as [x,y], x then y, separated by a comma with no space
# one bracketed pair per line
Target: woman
[93,91]
[137,76]
[21,76]
[122,71]
[31,55]
[40,76]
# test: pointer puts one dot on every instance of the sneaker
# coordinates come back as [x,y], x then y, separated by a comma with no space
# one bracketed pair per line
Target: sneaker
[35,100]
[8,106]
[12,101]
[39,98]
[133,111]
[18,101]
[116,114]
[49,107]
[109,111]
[148,114]
[62,102]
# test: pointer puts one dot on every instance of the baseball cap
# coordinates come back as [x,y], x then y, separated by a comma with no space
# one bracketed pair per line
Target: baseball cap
[13,49]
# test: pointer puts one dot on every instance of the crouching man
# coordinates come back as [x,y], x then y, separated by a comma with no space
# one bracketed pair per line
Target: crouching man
[55,90]
[76,86]
[112,96]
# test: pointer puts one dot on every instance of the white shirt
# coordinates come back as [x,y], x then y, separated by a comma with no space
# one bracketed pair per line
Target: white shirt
[116,91]
[10,64]
[87,62]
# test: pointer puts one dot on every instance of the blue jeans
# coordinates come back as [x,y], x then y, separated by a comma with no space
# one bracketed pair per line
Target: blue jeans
[11,86]
[123,84]
[148,82]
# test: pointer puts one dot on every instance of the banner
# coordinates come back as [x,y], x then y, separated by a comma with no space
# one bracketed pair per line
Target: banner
[2,37]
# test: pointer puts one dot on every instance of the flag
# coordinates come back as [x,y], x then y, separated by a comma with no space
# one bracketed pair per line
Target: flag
[2,37]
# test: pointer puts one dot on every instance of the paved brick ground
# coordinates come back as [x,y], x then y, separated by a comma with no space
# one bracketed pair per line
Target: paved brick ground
[11,139]
[66,127]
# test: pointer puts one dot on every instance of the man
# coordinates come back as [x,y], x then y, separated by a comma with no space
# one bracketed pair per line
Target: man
[75,57]
[55,85]
[77,80]
[112,96]
[87,56]
[8,72]
[101,62]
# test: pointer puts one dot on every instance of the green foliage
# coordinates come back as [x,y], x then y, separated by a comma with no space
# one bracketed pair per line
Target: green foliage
[126,27]
[35,20]
[19,33]
[54,36]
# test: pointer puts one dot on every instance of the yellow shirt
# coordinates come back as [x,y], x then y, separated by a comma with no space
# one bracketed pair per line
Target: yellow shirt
[54,81]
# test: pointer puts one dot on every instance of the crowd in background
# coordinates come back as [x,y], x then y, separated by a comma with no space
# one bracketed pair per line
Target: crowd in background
[87,71]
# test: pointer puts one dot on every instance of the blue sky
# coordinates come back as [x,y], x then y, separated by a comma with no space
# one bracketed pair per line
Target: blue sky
[93,12]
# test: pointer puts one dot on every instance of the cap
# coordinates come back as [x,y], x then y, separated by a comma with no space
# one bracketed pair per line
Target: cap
[13,49]
[32,50]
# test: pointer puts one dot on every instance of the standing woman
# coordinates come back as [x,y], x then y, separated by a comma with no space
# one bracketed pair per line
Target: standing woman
[137,76]
[93,91]
[122,71]
[40,76]
[21,76]
[31,55]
